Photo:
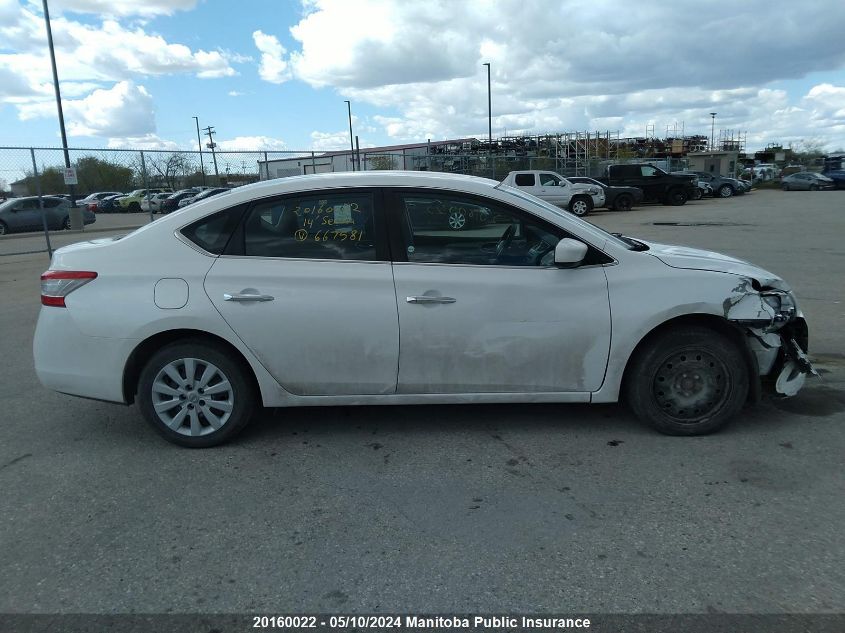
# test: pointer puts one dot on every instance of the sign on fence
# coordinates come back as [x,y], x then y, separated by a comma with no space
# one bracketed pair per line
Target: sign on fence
[70,176]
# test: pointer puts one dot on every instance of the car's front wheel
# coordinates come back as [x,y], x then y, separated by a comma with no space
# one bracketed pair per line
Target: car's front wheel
[66,223]
[676,197]
[134,207]
[623,202]
[688,381]
[785,187]
[580,206]
[726,191]
[194,394]
[3,228]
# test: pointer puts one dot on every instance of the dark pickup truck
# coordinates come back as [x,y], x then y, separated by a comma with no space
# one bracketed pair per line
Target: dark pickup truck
[657,185]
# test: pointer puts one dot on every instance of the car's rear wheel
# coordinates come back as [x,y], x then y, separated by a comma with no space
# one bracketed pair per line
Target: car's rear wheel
[623,202]
[688,381]
[3,228]
[580,206]
[785,187]
[195,395]
[66,223]
[697,194]
[726,191]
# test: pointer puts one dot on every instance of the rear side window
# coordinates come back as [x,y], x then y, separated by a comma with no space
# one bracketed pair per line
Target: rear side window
[524,180]
[213,232]
[322,226]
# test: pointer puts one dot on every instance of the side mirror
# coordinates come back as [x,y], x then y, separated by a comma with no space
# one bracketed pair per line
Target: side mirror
[569,253]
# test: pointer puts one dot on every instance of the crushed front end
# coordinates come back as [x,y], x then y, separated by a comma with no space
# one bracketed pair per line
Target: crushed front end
[776,332]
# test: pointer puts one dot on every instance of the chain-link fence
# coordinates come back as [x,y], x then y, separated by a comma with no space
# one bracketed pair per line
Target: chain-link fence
[40,171]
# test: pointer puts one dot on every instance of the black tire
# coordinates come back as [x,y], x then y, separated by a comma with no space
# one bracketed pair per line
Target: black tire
[623,202]
[785,187]
[676,197]
[814,187]
[4,230]
[580,205]
[690,380]
[66,223]
[697,194]
[725,191]
[134,207]
[240,394]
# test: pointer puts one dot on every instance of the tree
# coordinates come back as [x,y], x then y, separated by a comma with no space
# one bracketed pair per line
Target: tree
[95,174]
[381,162]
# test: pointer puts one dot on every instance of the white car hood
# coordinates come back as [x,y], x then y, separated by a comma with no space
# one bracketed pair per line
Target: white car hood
[698,259]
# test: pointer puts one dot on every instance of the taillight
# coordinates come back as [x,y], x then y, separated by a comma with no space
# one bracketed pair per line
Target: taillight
[58,284]
[92,206]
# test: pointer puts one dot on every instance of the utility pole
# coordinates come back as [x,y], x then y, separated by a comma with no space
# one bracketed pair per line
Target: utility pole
[211,145]
[351,142]
[199,144]
[713,131]
[489,123]
[58,96]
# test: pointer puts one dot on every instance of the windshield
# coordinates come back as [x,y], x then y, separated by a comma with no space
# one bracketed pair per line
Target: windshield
[587,226]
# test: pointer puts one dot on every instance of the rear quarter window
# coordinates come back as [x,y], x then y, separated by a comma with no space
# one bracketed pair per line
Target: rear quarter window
[213,232]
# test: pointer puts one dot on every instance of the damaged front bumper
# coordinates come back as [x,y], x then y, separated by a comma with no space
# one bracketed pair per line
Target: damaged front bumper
[776,332]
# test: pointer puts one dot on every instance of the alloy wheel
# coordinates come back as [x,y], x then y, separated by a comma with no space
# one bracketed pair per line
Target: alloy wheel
[192,397]
[457,220]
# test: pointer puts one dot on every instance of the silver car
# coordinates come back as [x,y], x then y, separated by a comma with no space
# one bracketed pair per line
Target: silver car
[24,214]
[807,181]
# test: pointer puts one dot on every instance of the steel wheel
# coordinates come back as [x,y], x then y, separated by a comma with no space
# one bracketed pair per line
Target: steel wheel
[192,397]
[579,207]
[690,385]
[457,220]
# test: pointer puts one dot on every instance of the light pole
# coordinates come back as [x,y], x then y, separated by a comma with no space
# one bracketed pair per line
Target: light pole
[351,142]
[489,121]
[58,95]
[199,144]
[211,145]
[712,130]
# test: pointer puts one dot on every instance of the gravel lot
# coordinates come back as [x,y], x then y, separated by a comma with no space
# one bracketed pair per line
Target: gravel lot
[442,508]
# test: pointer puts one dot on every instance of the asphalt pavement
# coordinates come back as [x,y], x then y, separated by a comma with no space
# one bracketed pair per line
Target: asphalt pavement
[438,509]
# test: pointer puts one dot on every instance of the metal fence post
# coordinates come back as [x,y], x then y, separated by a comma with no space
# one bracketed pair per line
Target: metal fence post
[313,164]
[41,202]
[146,189]
[266,169]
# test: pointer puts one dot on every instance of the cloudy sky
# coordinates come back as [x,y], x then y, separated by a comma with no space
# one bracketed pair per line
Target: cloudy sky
[273,74]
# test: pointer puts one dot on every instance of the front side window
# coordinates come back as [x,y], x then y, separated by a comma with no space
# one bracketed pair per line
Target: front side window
[648,170]
[453,229]
[313,226]
[550,180]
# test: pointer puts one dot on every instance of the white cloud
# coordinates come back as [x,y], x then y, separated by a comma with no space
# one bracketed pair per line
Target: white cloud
[145,141]
[121,111]
[273,67]
[252,143]
[569,65]
[118,7]
[235,93]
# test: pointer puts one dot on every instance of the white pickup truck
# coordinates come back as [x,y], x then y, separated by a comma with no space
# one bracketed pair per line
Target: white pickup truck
[546,185]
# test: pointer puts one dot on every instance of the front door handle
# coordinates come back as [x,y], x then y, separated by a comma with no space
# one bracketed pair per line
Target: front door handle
[429,299]
[247,297]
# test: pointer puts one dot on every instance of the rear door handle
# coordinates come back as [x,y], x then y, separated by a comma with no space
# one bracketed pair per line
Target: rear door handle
[429,299]
[247,297]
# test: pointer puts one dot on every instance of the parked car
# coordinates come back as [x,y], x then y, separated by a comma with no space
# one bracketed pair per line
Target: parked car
[153,203]
[24,214]
[807,181]
[132,201]
[208,313]
[171,203]
[202,195]
[433,213]
[92,201]
[109,204]
[616,198]
[656,184]
[577,199]
[837,176]
[705,190]
[723,186]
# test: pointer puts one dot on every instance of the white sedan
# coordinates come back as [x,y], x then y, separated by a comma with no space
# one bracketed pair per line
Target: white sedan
[346,288]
